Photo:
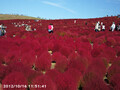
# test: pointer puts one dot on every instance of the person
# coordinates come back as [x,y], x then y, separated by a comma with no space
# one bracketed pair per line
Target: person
[103,27]
[2,30]
[97,26]
[119,27]
[74,21]
[50,28]
[112,28]
[28,28]
[116,28]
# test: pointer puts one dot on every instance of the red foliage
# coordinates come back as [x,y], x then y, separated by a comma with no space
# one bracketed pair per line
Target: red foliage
[96,83]
[2,72]
[84,45]
[97,67]
[117,87]
[52,73]
[43,80]
[75,74]
[115,80]
[114,69]
[11,56]
[65,82]
[100,40]
[66,51]
[95,52]
[28,59]
[80,63]
[43,62]
[15,78]
[73,56]
[109,53]
[61,61]
[110,41]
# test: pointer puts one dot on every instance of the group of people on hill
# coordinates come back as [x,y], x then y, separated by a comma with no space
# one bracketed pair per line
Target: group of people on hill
[101,27]
[2,30]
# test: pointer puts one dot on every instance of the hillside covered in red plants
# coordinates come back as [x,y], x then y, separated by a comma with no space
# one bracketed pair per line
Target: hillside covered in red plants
[74,57]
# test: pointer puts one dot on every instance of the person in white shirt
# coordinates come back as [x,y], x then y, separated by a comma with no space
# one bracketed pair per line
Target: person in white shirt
[112,27]
[103,27]
[97,26]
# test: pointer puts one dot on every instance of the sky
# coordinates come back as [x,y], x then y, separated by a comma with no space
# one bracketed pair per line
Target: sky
[61,9]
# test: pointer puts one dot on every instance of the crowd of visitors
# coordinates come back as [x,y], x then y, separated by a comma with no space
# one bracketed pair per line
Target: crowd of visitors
[101,27]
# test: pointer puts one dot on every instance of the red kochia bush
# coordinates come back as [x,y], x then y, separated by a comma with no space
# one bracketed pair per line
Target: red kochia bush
[97,49]
[15,78]
[97,65]
[96,84]
[28,59]
[2,72]
[109,53]
[100,40]
[19,67]
[52,73]
[11,57]
[44,82]
[43,62]
[95,52]
[80,63]
[61,61]
[110,41]
[55,56]
[66,51]
[117,87]
[114,69]
[75,74]
[115,80]
[65,82]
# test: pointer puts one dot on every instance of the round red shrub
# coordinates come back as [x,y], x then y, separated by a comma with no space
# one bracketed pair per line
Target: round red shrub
[65,82]
[110,41]
[97,65]
[109,53]
[95,84]
[28,59]
[15,78]
[43,62]
[2,72]
[115,80]
[114,69]
[75,74]
[44,82]
[52,73]
[95,52]
[80,63]
[61,61]
[11,57]
[66,51]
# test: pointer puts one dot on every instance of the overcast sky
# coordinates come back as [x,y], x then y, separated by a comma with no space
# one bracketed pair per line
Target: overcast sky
[61,9]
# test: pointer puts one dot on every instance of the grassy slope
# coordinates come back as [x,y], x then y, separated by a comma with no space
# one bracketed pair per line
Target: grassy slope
[8,17]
